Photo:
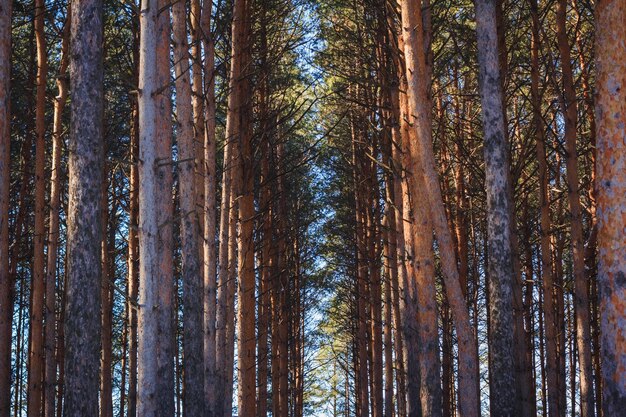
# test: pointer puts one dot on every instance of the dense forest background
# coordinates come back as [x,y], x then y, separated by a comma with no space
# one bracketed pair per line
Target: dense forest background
[312,207]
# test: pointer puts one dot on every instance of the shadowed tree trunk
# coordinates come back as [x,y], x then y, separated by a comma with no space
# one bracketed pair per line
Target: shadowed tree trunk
[500,266]
[53,228]
[165,218]
[190,232]
[35,347]
[82,318]
[6,286]
[148,299]
[581,291]
[611,177]
[552,374]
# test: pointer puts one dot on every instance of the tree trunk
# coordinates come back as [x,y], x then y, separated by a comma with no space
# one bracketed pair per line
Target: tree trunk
[611,183]
[166,326]
[106,299]
[133,263]
[210,264]
[6,286]
[82,319]
[500,267]
[552,375]
[197,33]
[148,300]
[422,152]
[581,291]
[36,348]
[53,228]
[190,233]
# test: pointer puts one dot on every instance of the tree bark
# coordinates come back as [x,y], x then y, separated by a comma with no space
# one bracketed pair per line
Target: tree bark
[149,309]
[500,266]
[53,228]
[36,347]
[611,187]
[6,286]
[167,329]
[422,152]
[190,234]
[210,261]
[82,319]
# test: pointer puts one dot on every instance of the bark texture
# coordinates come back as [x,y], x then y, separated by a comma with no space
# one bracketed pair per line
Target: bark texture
[611,187]
[422,150]
[500,263]
[36,348]
[148,297]
[190,231]
[82,318]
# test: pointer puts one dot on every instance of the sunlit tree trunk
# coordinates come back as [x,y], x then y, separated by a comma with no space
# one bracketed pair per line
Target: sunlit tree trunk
[611,187]
[421,150]
[210,255]
[86,159]
[167,291]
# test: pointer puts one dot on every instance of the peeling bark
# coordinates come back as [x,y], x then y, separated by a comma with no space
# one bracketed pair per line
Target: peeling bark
[611,187]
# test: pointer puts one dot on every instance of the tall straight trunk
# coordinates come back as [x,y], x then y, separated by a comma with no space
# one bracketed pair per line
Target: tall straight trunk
[166,327]
[60,353]
[503,393]
[552,375]
[210,261]
[246,289]
[6,302]
[86,159]
[361,273]
[398,231]
[198,102]
[422,152]
[133,264]
[36,348]
[390,259]
[265,206]
[148,300]
[581,287]
[227,232]
[282,274]
[106,349]
[190,233]
[53,222]
[228,216]
[375,283]
[611,183]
